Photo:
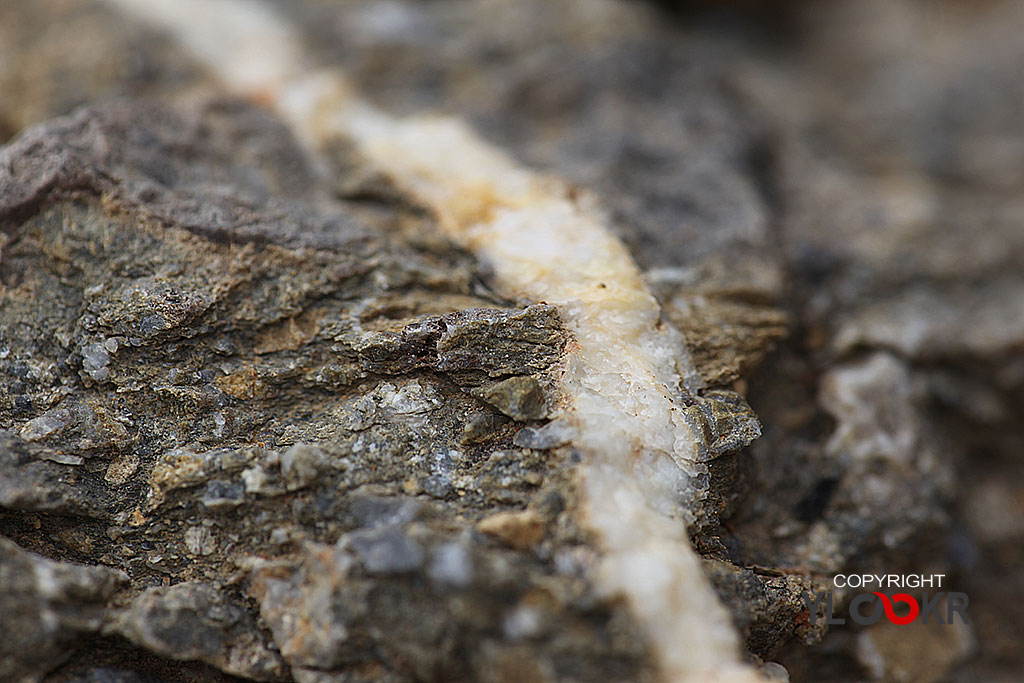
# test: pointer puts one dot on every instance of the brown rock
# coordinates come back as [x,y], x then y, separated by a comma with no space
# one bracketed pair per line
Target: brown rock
[522,530]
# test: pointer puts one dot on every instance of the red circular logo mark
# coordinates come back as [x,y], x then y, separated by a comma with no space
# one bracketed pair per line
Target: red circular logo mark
[891,613]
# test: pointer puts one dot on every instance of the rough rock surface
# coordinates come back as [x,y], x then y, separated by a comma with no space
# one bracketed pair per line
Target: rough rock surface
[46,606]
[259,419]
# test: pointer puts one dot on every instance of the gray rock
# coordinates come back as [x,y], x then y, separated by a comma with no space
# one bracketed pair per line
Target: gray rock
[223,494]
[47,606]
[552,435]
[386,550]
[452,565]
[300,466]
[521,398]
[217,358]
[191,621]
[375,511]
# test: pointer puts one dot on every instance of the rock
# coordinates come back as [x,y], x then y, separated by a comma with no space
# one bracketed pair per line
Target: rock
[200,541]
[386,551]
[40,478]
[105,675]
[95,360]
[277,375]
[916,652]
[452,565]
[192,621]
[480,426]
[43,426]
[520,398]
[375,511]
[313,590]
[223,494]
[300,466]
[552,435]
[726,421]
[517,529]
[47,607]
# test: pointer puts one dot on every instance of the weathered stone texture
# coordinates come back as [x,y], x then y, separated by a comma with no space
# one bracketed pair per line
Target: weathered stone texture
[257,413]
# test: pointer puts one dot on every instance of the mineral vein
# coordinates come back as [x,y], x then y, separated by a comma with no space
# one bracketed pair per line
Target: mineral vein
[544,243]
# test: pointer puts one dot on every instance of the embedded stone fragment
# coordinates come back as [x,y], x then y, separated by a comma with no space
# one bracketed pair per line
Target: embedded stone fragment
[556,433]
[47,606]
[521,398]
[36,477]
[313,590]
[522,529]
[387,550]
[193,621]
[234,340]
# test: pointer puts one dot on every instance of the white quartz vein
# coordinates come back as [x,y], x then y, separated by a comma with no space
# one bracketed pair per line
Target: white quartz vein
[544,242]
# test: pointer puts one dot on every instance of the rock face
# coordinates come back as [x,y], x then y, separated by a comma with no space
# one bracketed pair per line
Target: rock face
[47,605]
[299,385]
[229,397]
